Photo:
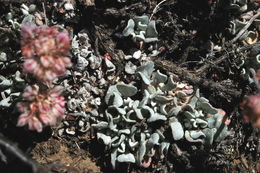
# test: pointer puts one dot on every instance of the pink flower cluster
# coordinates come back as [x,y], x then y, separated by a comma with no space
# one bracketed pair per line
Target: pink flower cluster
[44,50]
[251,110]
[41,108]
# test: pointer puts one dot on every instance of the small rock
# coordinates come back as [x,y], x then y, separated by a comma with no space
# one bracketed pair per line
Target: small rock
[217,48]
[70,131]
[155,53]
[127,57]
[32,8]
[66,123]
[130,68]
[60,132]
[3,57]
[25,12]
[94,113]
[110,66]
[23,6]
[97,101]
[68,7]
[137,54]
[102,82]
[9,16]
[81,123]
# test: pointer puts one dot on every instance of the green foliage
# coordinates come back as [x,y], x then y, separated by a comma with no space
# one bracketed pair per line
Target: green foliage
[137,119]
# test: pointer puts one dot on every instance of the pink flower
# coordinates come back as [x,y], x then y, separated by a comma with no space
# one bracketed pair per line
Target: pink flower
[31,92]
[251,110]
[44,50]
[147,163]
[41,108]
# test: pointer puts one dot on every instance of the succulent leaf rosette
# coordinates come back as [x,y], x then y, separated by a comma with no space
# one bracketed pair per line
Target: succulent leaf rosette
[141,29]
[137,119]
[243,13]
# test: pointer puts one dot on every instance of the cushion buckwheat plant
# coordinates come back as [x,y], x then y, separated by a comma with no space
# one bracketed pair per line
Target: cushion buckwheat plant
[41,108]
[44,50]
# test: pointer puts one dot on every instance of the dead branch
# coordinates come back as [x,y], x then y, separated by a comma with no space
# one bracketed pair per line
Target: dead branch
[156,8]
[241,32]
[205,67]
[197,81]
[13,150]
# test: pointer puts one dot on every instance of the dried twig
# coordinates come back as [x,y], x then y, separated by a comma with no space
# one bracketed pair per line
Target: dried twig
[44,11]
[5,29]
[197,81]
[156,8]
[208,65]
[241,32]
[10,148]
[205,67]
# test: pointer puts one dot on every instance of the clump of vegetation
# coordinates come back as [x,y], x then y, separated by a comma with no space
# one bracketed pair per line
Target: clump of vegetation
[44,50]
[137,120]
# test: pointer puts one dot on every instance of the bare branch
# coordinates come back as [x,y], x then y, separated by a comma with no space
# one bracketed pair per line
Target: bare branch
[12,149]
[241,32]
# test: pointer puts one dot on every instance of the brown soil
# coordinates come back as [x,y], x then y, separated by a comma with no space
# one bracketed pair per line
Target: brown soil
[64,159]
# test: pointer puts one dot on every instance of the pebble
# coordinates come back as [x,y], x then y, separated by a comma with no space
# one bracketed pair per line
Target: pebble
[98,101]
[68,6]
[60,132]
[81,123]
[25,12]
[3,57]
[155,53]
[110,66]
[102,82]
[94,113]
[32,8]
[127,57]
[66,123]
[130,68]
[70,132]
[25,7]
[9,16]
[137,54]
